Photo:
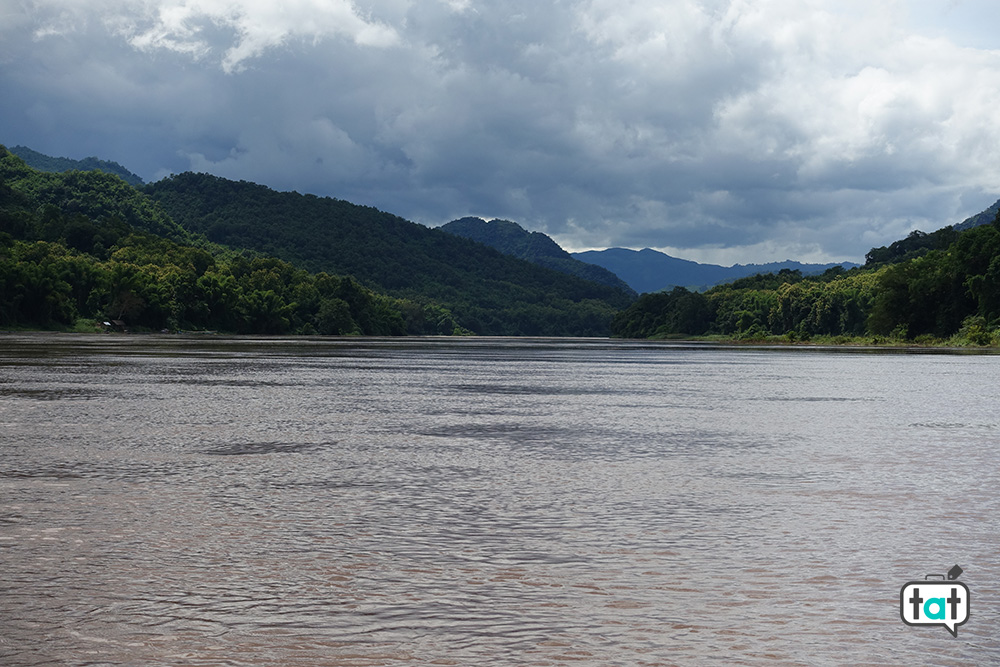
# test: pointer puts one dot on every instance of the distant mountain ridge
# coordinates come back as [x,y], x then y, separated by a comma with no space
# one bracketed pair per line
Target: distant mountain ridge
[511,238]
[649,270]
[43,162]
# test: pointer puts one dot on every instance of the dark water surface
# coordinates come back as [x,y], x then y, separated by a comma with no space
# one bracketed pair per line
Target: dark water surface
[210,501]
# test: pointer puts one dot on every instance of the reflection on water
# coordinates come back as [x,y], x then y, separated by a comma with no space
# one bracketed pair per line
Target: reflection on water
[368,502]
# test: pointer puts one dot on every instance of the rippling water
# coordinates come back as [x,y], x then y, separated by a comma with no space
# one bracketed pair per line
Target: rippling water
[495,502]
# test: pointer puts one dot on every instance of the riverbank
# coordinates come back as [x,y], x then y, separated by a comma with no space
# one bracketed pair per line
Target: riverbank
[956,342]
[959,342]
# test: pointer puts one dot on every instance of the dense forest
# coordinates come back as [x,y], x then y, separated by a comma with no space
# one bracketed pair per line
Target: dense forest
[81,246]
[196,252]
[943,286]
[487,292]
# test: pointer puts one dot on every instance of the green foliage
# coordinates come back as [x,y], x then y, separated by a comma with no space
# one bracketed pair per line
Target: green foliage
[63,268]
[481,289]
[768,281]
[41,162]
[976,331]
[151,284]
[662,314]
[936,294]
[915,245]
[82,198]
[756,307]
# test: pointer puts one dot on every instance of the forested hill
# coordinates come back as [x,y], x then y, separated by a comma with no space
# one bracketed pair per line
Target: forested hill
[933,288]
[81,248]
[43,162]
[488,292]
[511,238]
[93,195]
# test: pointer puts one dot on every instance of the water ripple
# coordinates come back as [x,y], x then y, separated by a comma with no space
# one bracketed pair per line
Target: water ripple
[493,502]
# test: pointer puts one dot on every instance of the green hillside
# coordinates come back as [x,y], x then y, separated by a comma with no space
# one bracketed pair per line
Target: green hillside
[488,292]
[94,195]
[940,287]
[81,247]
[200,252]
[42,162]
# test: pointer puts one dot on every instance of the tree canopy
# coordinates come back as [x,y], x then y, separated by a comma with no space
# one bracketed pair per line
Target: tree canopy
[86,245]
[81,245]
[487,291]
[937,286]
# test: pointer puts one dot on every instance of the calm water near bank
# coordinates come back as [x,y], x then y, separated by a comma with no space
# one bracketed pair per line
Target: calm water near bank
[244,501]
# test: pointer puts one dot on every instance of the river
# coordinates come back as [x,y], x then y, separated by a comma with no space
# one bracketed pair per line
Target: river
[172,500]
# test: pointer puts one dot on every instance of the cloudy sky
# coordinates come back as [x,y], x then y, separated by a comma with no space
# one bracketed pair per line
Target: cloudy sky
[715,130]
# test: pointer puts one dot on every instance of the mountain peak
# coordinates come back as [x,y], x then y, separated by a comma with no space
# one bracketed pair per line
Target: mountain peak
[512,239]
[506,236]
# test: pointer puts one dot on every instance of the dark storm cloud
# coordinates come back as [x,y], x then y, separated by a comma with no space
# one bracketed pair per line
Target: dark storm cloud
[719,130]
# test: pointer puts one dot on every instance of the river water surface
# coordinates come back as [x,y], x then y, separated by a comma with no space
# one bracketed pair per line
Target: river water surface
[206,501]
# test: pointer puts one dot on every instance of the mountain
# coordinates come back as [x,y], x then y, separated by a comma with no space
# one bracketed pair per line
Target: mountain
[984,218]
[81,248]
[512,239]
[96,195]
[487,292]
[652,271]
[42,162]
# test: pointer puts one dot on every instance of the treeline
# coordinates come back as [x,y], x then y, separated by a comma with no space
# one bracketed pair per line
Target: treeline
[76,247]
[927,287]
[152,284]
[836,303]
[196,252]
[487,292]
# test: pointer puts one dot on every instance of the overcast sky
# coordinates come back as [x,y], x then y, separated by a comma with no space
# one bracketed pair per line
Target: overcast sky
[715,130]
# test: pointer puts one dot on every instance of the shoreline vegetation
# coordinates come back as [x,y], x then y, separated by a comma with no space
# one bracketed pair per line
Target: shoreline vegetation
[84,251]
[955,343]
[939,289]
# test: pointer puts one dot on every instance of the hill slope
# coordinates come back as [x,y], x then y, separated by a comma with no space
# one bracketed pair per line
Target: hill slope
[512,239]
[95,195]
[487,291]
[43,162]
[652,271]
[68,257]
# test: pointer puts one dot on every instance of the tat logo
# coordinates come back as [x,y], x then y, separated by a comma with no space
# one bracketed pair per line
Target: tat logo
[936,602]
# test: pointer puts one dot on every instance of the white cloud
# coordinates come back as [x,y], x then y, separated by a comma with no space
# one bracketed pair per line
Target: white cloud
[241,29]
